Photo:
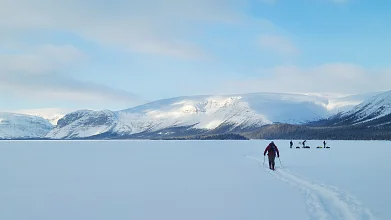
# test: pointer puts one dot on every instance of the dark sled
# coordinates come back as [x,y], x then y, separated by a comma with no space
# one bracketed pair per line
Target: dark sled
[327,147]
[298,147]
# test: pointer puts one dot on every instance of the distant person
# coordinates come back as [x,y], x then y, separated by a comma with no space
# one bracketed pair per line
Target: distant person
[272,150]
[304,143]
[324,144]
[291,143]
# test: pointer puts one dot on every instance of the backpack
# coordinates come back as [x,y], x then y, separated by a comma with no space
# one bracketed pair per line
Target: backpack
[272,148]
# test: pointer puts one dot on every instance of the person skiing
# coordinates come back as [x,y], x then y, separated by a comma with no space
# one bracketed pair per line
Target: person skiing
[304,143]
[324,144]
[271,150]
[291,143]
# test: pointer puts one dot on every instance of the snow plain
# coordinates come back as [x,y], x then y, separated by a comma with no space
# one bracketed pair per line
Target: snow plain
[178,180]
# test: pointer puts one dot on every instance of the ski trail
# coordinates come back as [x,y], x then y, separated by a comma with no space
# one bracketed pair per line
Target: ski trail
[323,202]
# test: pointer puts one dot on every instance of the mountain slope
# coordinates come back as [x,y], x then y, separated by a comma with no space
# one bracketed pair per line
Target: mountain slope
[192,115]
[370,120]
[346,103]
[373,111]
[84,123]
[19,126]
[50,114]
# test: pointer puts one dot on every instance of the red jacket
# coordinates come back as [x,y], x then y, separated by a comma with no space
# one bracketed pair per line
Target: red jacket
[271,150]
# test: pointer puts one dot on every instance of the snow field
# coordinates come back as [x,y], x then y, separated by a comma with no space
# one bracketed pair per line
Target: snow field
[192,180]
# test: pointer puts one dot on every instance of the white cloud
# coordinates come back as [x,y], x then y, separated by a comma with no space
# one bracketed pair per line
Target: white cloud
[40,73]
[37,72]
[151,26]
[51,114]
[51,88]
[41,59]
[278,44]
[343,78]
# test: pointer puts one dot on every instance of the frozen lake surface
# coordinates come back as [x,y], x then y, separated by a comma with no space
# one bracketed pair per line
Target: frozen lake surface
[193,180]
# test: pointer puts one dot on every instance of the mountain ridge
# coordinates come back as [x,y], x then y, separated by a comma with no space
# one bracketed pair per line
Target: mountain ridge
[197,115]
[14,125]
[249,114]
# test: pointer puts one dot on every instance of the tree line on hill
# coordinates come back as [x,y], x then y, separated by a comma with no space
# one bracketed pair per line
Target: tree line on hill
[288,131]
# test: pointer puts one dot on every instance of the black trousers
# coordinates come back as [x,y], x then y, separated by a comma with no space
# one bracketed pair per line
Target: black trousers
[271,160]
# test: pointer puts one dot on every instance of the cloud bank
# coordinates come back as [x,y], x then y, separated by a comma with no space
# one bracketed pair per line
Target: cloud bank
[344,78]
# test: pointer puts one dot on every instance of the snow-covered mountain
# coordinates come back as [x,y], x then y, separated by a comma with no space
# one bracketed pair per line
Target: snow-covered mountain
[195,113]
[51,114]
[376,108]
[192,115]
[346,103]
[17,126]
[84,123]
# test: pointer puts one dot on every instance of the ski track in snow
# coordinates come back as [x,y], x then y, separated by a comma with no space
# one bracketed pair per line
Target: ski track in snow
[323,202]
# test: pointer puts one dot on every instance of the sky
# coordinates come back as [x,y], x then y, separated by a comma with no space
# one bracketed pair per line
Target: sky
[94,54]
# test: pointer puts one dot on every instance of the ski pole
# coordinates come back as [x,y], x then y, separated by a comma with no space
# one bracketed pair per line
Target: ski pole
[280,161]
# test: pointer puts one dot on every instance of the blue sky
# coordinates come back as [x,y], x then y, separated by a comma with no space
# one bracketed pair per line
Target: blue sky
[118,54]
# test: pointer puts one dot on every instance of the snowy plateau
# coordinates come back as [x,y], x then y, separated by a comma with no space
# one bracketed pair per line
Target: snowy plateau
[195,115]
